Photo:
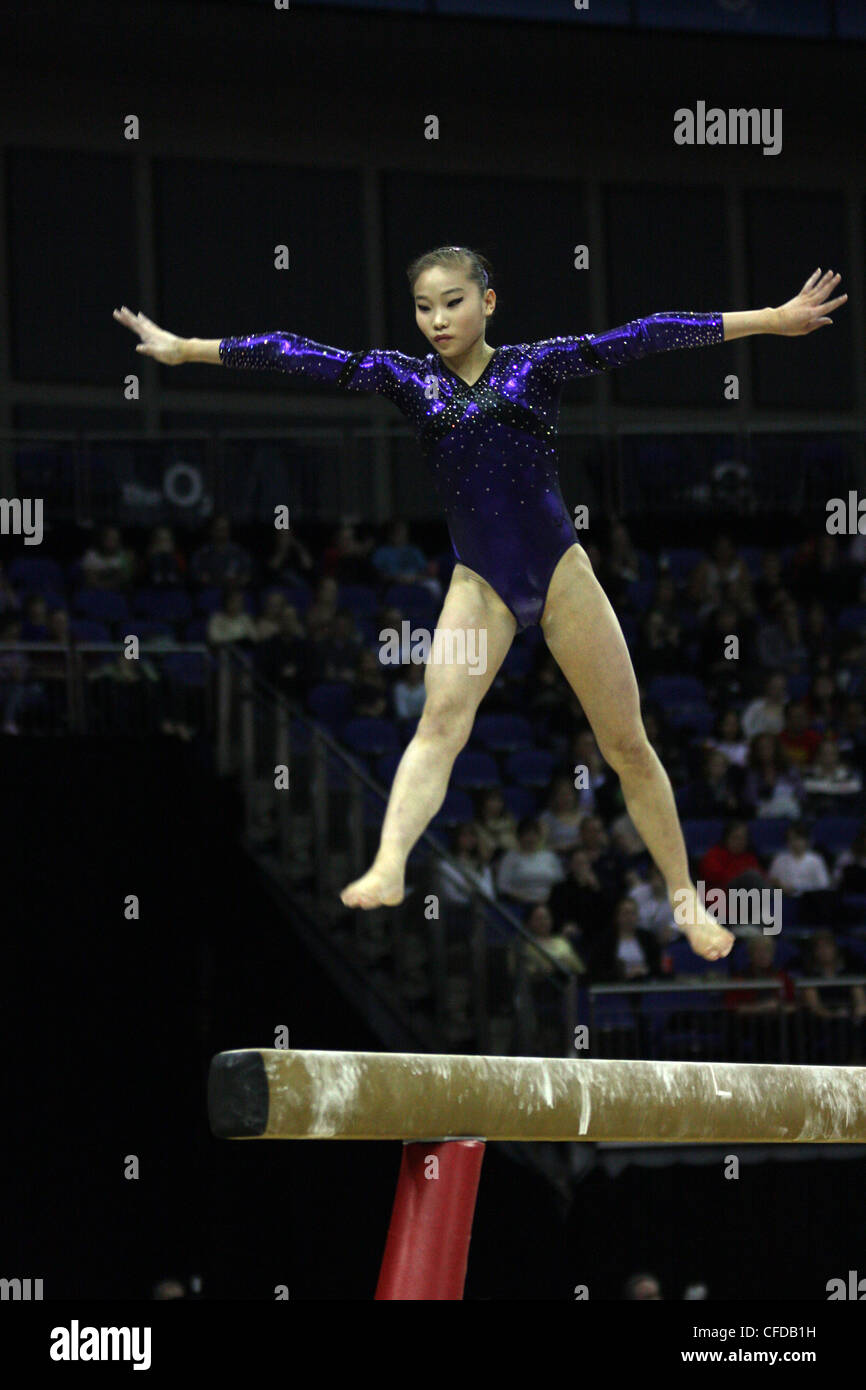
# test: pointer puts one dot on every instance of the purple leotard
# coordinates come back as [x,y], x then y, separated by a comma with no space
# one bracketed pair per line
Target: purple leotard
[491,445]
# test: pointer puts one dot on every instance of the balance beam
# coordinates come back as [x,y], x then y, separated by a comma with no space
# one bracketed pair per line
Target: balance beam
[281,1094]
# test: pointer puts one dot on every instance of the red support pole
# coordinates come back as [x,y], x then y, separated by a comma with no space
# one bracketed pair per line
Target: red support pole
[428,1239]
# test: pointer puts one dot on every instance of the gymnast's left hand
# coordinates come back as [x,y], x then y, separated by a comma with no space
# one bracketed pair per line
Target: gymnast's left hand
[808,310]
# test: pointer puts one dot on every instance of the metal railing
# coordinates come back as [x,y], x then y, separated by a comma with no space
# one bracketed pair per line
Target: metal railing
[629,467]
[727,1020]
[461,974]
[49,688]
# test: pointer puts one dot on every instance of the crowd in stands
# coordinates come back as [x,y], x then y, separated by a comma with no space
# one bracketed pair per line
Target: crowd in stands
[751,665]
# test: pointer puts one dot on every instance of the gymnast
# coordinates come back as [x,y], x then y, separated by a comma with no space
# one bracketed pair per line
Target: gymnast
[486,422]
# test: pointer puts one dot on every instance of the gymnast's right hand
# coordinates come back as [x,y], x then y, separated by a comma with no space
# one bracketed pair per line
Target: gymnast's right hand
[155,341]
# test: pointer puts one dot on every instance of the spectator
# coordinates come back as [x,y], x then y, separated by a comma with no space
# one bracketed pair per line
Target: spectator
[527,874]
[398,562]
[714,658]
[559,945]
[849,871]
[654,911]
[164,562]
[620,566]
[829,782]
[818,635]
[347,558]
[822,572]
[580,900]
[599,793]
[231,622]
[267,624]
[771,787]
[661,649]
[732,863]
[729,739]
[346,646]
[474,865]
[798,869]
[17,688]
[560,821]
[625,951]
[222,562]
[410,692]
[717,791]
[127,695]
[324,603]
[761,966]
[706,582]
[108,564]
[284,658]
[370,693]
[596,841]
[642,1288]
[494,824]
[770,580]
[289,561]
[35,625]
[779,643]
[835,999]
[823,703]
[766,715]
[9,600]
[799,742]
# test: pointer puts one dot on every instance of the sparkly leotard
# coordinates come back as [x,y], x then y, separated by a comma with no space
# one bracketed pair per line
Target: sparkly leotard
[491,445]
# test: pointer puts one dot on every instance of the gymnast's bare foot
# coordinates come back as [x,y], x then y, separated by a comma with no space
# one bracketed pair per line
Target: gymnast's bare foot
[381,886]
[705,936]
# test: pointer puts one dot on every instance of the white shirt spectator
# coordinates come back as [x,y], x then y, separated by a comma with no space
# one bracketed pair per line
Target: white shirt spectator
[222,627]
[763,716]
[800,873]
[453,889]
[529,875]
[654,914]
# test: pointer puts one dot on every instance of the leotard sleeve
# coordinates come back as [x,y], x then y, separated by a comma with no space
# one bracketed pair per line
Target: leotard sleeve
[391,374]
[563,359]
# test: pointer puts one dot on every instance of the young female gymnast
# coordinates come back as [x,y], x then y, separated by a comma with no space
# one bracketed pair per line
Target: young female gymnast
[486,420]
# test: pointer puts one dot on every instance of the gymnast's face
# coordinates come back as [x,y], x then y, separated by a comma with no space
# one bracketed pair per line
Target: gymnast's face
[448,302]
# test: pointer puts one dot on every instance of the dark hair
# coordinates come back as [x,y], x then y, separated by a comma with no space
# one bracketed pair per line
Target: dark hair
[479,269]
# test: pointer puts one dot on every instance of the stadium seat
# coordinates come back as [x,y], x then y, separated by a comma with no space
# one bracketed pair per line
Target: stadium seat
[534,767]
[503,733]
[701,835]
[370,736]
[768,834]
[31,574]
[171,605]
[474,770]
[836,832]
[102,604]
[331,702]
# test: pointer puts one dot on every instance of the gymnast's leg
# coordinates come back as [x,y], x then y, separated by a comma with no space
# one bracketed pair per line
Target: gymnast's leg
[582,631]
[453,694]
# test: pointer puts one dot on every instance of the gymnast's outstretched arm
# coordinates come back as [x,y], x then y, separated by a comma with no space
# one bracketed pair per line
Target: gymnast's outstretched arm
[562,359]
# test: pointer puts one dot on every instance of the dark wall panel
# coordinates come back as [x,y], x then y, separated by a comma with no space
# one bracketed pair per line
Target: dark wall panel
[72,259]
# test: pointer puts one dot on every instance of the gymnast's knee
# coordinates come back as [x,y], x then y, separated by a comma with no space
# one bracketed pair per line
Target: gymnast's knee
[445,722]
[628,750]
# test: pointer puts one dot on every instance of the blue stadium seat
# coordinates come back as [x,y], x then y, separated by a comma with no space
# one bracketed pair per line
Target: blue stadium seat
[666,690]
[146,629]
[695,715]
[331,702]
[456,808]
[681,561]
[32,574]
[196,631]
[360,599]
[102,604]
[836,832]
[640,593]
[852,619]
[171,605]
[208,600]
[88,630]
[520,801]
[474,770]
[767,834]
[370,736]
[533,767]
[186,668]
[701,835]
[684,961]
[502,733]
